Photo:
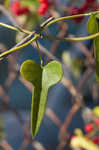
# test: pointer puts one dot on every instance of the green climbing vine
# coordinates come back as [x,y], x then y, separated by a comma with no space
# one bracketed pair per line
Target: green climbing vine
[43,77]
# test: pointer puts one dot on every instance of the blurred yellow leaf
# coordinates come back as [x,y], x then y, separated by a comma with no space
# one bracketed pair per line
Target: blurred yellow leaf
[96,111]
[6,3]
[83,142]
[78,131]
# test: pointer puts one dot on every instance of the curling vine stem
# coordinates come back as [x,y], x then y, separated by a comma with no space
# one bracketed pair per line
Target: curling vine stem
[36,36]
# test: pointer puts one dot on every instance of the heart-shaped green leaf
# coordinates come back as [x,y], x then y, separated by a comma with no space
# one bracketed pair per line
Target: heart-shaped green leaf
[96,48]
[31,71]
[42,78]
[93,27]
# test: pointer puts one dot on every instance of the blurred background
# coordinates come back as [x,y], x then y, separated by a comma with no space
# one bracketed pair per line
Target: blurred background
[74,102]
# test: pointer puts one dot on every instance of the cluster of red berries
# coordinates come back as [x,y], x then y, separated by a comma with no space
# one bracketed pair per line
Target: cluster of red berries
[17,9]
[44,5]
[90,128]
[87,5]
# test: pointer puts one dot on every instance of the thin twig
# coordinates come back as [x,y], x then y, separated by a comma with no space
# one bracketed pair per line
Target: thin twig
[4,144]
[63,130]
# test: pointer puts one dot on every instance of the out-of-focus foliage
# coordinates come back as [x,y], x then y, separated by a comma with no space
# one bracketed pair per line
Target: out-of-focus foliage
[89,140]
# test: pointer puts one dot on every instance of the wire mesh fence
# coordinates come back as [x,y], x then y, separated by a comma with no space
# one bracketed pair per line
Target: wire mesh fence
[9,73]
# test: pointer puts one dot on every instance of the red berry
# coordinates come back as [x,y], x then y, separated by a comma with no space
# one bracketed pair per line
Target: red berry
[97,122]
[17,10]
[90,1]
[45,6]
[15,4]
[96,140]
[15,7]
[24,10]
[84,7]
[43,1]
[76,11]
[89,128]
[79,20]
[41,10]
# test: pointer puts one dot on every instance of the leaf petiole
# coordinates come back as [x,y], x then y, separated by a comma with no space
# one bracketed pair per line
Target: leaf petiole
[41,61]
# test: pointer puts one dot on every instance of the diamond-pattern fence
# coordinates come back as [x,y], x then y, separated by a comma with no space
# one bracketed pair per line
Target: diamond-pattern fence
[76,92]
